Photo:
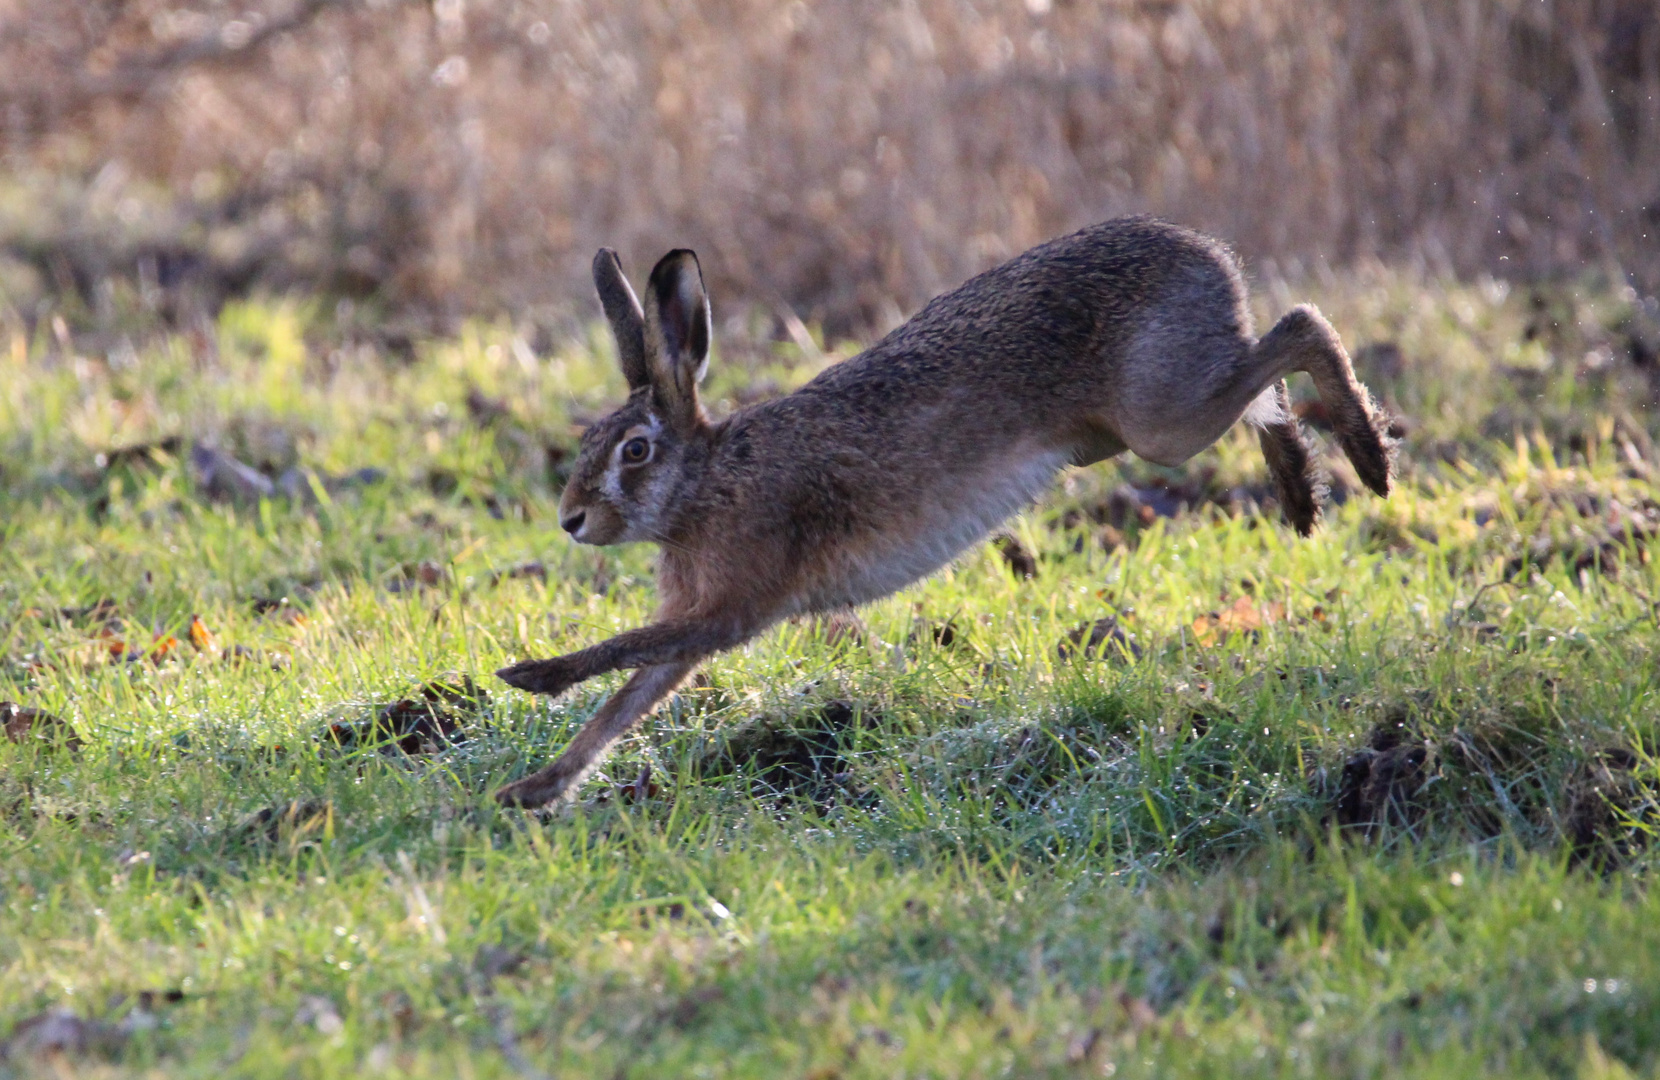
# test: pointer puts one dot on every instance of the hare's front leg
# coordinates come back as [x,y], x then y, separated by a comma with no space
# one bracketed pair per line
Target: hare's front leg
[668,642]
[638,696]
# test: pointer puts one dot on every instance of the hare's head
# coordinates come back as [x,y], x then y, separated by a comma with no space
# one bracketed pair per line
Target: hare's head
[633,461]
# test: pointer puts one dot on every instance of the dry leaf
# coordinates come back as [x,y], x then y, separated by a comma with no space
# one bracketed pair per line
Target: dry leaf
[534,568]
[642,787]
[424,574]
[163,647]
[1244,616]
[200,635]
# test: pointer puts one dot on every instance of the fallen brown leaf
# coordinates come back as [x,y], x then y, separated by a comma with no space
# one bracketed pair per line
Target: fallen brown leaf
[533,568]
[163,647]
[1244,615]
[641,788]
[200,635]
[424,574]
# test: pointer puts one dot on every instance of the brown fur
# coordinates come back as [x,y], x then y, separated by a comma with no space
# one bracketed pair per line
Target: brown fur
[1132,334]
[1291,464]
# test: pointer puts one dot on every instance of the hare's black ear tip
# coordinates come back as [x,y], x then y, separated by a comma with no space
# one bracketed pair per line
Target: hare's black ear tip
[606,259]
[676,262]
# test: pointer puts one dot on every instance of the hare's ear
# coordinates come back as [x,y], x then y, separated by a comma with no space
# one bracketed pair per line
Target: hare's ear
[677,333]
[622,311]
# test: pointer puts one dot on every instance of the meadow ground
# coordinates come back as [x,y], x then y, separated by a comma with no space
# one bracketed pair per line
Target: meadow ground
[1148,787]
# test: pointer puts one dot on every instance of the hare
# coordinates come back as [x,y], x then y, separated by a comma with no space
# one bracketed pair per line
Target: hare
[1131,334]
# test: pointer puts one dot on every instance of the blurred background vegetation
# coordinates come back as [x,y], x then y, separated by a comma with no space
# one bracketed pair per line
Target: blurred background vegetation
[835,162]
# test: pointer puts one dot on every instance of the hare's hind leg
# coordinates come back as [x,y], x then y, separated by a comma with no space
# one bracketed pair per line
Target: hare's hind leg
[1188,373]
[638,696]
[1304,341]
[1290,462]
[1185,384]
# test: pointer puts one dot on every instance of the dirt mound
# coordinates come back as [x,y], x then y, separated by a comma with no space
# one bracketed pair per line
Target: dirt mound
[1382,783]
[805,754]
[437,715]
[1612,809]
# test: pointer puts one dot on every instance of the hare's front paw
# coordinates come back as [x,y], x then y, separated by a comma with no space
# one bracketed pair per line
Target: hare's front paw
[540,788]
[539,676]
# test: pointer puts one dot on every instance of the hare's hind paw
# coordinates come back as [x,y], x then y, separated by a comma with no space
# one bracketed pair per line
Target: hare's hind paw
[539,676]
[539,788]
[1373,456]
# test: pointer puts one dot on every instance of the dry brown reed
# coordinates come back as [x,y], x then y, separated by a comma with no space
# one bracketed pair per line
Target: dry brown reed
[844,158]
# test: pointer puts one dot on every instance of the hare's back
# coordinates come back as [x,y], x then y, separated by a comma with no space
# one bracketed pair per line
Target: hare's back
[1039,337]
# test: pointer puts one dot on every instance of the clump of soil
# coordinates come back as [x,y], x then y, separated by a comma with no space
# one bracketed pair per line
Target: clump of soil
[435,716]
[1102,639]
[269,823]
[1129,507]
[1382,783]
[802,755]
[1611,811]
[1020,561]
[19,722]
[945,635]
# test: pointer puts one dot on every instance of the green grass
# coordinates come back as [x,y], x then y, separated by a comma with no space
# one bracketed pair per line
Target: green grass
[1375,802]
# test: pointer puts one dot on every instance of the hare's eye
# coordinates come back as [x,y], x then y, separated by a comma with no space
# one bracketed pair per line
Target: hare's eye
[635,451]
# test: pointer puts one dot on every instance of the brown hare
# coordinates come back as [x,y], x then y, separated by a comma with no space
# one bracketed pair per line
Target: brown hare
[1131,334]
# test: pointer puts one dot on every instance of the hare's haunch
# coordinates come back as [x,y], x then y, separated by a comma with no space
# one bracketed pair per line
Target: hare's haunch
[1132,334]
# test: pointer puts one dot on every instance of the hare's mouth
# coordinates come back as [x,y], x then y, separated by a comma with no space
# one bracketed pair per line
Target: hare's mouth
[593,524]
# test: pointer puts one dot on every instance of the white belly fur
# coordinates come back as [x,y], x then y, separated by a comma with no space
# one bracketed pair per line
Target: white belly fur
[944,525]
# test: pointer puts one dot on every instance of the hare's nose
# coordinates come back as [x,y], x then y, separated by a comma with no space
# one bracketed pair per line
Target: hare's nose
[573,524]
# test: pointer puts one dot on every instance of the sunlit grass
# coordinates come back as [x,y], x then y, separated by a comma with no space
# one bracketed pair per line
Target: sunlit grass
[999,860]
